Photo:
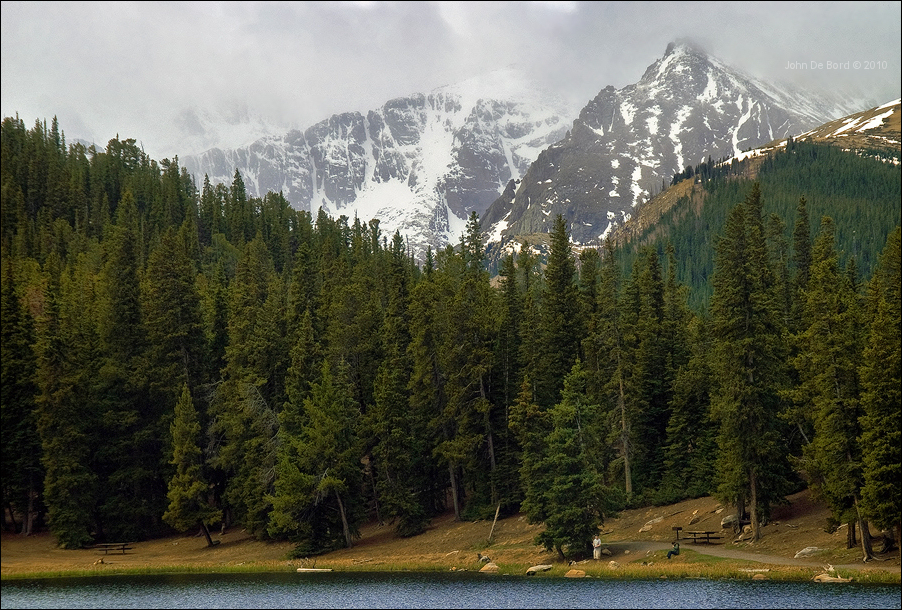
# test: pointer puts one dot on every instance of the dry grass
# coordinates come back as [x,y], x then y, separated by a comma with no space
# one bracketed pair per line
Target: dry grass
[450,545]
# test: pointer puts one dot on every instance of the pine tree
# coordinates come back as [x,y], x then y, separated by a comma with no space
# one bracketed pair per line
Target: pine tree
[172,317]
[748,356]
[472,421]
[22,473]
[427,387]
[648,392]
[880,377]
[610,353]
[189,504]
[560,323]
[530,425]
[245,425]
[801,242]
[133,424]
[576,501]
[400,461]
[827,364]
[509,329]
[690,453]
[238,213]
[70,484]
[317,499]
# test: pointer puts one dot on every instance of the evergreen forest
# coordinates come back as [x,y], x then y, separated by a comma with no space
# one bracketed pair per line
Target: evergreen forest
[181,357]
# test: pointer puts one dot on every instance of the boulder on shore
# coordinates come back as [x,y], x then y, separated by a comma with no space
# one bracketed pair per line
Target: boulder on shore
[575,574]
[544,567]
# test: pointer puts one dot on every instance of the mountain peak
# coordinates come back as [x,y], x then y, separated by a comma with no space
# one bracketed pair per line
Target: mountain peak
[685,46]
[688,106]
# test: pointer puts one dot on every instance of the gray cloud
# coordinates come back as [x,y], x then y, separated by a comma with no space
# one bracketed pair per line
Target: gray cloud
[136,68]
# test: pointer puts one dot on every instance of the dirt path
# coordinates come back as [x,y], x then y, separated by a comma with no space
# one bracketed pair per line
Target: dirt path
[718,550]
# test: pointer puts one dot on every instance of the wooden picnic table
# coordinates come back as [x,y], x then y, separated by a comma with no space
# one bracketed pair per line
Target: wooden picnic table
[106,547]
[703,536]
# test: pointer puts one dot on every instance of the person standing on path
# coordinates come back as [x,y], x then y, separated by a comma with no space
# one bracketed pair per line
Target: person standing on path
[596,547]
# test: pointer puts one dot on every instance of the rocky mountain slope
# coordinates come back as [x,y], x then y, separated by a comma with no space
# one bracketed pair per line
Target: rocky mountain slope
[628,143]
[420,164]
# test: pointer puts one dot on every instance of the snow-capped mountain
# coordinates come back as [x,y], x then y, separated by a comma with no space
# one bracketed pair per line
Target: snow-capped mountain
[420,164]
[628,143]
[874,132]
[500,146]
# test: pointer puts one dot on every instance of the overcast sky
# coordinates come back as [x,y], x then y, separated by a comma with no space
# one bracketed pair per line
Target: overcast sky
[132,68]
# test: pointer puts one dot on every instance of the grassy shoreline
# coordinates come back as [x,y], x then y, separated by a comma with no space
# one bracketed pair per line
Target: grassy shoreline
[694,566]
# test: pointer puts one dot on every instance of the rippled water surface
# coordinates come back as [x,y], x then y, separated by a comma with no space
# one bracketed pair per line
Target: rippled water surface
[432,590]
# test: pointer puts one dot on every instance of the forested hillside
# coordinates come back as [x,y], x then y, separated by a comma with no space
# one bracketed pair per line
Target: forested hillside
[860,192]
[176,357]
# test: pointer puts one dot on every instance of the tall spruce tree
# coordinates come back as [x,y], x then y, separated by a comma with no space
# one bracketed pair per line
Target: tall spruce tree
[648,394]
[400,462]
[561,326]
[880,376]
[748,356]
[317,499]
[132,424]
[830,347]
[189,501]
[64,422]
[575,500]
[245,425]
[608,351]
[22,473]
[173,322]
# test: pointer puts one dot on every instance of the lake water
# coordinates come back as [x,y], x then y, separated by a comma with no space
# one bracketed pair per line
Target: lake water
[430,590]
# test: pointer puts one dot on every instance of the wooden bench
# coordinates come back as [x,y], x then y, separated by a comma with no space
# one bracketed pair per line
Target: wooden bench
[704,536]
[106,547]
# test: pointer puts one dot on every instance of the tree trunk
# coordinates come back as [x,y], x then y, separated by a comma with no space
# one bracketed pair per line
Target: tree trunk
[344,520]
[753,508]
[626,446]
[850,535]
[454,497]
[740,512]
[369,469]
[12,518]
[206,531]
[29,516]
[865,536]
[492,466]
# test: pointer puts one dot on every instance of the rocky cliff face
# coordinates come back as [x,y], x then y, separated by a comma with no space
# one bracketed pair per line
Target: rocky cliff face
[420,164]
[626,144]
